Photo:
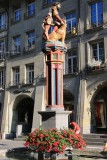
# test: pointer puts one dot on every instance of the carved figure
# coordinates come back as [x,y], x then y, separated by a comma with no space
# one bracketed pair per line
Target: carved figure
[57,20]
[53,19]
[46,25]
[59,34]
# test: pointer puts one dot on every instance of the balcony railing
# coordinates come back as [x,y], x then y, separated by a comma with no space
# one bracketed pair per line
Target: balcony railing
[3,27]
[16,20]
[70,70]
[18,52]
[28,49]
[15,52]
[2,55]
[95,26]
[2,86]
[19,84]
[28,81]
[14,83]
[29,14]
[46,2]
[97,67]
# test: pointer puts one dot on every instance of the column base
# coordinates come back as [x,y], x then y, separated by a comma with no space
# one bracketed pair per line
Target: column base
[54,119]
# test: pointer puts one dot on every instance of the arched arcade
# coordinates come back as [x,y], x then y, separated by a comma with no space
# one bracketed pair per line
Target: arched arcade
[22,115]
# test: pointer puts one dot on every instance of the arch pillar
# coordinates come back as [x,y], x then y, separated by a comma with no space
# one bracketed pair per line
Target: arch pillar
[5,122]
[86,112]
[83,109]
[38,106]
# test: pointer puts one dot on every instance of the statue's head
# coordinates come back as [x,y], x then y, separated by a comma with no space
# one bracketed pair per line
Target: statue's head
[57,4]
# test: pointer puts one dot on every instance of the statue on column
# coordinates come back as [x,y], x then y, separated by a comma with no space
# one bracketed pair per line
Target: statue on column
[59,25]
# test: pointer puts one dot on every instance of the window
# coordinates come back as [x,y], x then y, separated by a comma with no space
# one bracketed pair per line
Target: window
[31,40]
[2,48]
[97,13]
[72,61]
[46,2]
[98,51]
[1,79]
[16,75]
[17,15]
[30,73]
[71,21]
[16,44]
[50,1]
[2,21]
[31,9]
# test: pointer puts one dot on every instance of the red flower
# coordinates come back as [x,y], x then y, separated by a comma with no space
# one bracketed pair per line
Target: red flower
[41,136]
[56,143]
[54,140]
[26,144]
[56,150]
[46,135]
[63,146]
[49,148]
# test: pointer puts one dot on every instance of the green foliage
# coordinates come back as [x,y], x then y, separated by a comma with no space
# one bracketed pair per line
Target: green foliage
[54,140]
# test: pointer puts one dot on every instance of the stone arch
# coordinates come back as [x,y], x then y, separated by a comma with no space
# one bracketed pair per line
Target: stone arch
[96,87]
[98,108]
[22,115]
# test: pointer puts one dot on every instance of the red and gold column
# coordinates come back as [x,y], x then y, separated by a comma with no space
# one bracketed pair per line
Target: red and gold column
[54,78]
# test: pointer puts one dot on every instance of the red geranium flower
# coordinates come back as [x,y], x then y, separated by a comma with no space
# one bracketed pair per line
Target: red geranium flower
[54,140]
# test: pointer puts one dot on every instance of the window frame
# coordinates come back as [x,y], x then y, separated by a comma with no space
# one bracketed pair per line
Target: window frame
[16,46]
[16,75]
[30,11]
[47,2]
[3,21]
[30,73]
[71,58]
[98,51]
[19,14]
[30,40]
[71,20]
[97,23]
[2,52]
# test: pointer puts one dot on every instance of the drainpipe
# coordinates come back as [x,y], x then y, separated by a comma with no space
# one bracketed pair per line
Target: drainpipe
[78,109]
[6,8]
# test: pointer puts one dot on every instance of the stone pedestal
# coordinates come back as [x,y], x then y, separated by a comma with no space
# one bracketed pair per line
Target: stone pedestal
[54,116]
[54,119]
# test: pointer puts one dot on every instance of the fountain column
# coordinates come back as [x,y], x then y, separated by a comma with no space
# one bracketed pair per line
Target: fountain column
[54,116]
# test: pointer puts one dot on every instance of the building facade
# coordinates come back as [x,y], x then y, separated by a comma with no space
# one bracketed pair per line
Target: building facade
[22,64]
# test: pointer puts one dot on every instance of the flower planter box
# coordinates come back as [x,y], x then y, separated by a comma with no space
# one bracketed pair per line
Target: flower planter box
[52,144]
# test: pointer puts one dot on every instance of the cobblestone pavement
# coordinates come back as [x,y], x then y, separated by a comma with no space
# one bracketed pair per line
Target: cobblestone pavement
[13,145]
[9,144]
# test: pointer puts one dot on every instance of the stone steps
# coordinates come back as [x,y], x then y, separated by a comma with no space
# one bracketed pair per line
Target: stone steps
[95,139]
